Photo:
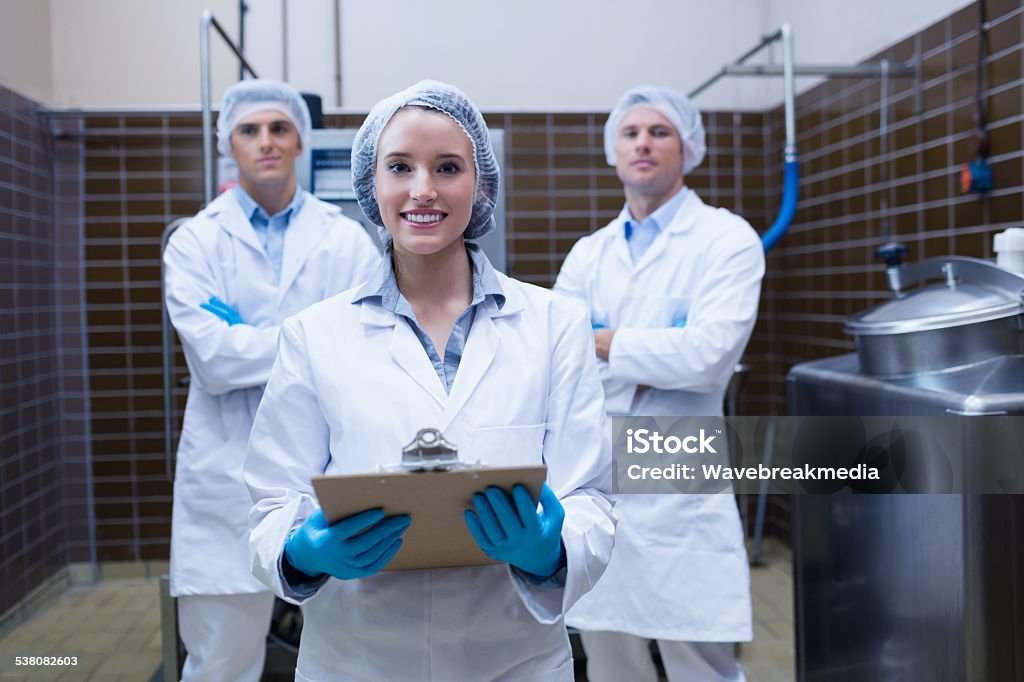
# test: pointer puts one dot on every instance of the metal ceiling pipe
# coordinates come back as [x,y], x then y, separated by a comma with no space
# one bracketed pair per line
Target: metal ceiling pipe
[206,22]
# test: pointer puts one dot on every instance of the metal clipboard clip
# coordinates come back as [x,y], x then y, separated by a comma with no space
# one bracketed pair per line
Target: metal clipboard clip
[429,451]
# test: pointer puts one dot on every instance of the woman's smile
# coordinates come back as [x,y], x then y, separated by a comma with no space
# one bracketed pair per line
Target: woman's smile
[421,218]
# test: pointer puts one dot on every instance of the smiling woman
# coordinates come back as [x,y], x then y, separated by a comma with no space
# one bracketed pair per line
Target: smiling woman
[425,182]
[436,338]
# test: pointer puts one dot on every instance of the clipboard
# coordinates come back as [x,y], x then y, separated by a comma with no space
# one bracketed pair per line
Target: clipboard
[435,500]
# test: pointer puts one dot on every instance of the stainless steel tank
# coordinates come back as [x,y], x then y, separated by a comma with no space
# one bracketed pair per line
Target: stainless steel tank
[916,587]
[973,315]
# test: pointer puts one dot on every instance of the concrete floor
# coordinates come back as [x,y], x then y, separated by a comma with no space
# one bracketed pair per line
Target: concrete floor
[771,656]
[113,627]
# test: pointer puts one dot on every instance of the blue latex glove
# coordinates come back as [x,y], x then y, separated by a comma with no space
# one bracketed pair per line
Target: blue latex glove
[598,325]
[223,311]
[529,540]
[355,547]
[681,322]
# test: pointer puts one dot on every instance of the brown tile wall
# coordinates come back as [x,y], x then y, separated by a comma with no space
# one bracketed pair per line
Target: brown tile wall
[559,187]
[42,397]
[142,171]
[824,270]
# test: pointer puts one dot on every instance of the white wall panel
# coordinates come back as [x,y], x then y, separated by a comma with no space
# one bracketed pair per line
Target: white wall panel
[136,52]
[836,32]
[25,51]
[539,55]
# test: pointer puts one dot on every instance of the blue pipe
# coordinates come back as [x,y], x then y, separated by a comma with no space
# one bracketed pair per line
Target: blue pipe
[790,189]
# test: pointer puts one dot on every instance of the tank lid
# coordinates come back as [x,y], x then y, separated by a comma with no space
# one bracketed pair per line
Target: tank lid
[972,291]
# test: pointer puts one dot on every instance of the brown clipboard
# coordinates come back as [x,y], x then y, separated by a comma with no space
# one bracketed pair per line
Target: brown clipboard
[434,500]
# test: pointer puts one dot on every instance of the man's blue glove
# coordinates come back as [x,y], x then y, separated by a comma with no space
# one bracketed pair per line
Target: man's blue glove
[223,311]
[355,547]
[529,540]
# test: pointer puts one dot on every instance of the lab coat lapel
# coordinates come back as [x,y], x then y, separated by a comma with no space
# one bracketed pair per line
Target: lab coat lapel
[304,232]
[620,247]
[225,211]
[406,350]
[681,223]
[481,347]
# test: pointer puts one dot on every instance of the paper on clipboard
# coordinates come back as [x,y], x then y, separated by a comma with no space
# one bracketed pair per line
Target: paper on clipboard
[434,500]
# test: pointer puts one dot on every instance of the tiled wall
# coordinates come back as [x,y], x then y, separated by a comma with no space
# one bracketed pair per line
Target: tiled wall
[824,270]
[43,448]
[142,171]
[560,188]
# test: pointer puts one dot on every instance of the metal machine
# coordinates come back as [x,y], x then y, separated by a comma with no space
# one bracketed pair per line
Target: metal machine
[917,587]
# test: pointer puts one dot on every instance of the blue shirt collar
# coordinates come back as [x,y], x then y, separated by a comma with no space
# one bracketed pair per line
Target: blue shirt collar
[252,210]
[661,217]
[384,286]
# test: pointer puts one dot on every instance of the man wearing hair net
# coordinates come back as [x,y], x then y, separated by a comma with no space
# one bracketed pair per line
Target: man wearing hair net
[672,286]
[260,252]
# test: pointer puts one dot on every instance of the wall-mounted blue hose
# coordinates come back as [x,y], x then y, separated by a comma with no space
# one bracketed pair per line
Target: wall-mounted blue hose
[791,185]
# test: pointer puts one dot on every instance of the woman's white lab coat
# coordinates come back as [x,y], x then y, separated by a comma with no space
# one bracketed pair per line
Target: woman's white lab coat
[679,570]
[217,253]
[351,387]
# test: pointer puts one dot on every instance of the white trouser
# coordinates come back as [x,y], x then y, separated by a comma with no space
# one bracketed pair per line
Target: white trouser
[225,635]
[616,656]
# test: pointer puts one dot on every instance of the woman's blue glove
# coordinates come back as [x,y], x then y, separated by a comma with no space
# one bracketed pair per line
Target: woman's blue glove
[223,311]
[355,547]
[529,540]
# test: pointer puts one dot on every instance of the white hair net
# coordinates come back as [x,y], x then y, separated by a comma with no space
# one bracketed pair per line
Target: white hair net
[675,106]
[246,97]
[448,100]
